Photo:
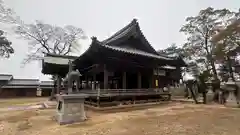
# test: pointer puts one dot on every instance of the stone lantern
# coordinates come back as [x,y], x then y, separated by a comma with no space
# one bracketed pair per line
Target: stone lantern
[210,93]
[231,87]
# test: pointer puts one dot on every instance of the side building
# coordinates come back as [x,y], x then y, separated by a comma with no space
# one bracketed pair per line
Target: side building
[11,87]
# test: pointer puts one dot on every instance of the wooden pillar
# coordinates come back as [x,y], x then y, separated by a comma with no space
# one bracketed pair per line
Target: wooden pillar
[105,81]
[94,81]
[139,80]
[58,84]
[87,82]
[152,81]
[124,80]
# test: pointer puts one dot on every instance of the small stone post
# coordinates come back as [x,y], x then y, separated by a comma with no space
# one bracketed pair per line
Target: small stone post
[231,100]
[210,93]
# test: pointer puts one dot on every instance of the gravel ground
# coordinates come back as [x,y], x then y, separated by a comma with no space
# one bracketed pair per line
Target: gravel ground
[173,119]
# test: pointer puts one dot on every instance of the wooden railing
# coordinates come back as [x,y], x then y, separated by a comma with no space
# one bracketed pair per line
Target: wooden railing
[102,92]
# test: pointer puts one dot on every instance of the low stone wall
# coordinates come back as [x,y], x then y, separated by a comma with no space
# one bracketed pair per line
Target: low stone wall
[11,93]
[178,91]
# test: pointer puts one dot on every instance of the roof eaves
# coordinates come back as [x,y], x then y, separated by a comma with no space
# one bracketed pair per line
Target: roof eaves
[61,56]
[6,77]
[134,51]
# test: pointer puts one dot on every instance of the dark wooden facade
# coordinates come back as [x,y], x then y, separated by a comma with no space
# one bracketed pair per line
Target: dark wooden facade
[126,60]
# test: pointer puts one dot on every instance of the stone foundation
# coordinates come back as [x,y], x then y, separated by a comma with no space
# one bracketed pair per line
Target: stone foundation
[70,109]
[231,100]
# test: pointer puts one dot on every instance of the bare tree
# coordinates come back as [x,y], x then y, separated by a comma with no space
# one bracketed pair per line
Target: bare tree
[45,38]
[5,46]
[42,38]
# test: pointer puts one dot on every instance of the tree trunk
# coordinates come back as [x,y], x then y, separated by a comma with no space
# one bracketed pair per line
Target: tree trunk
[209,55]
[190,86]
[204,93]
[193,95]
[52,97]
[213,68]
[230,68]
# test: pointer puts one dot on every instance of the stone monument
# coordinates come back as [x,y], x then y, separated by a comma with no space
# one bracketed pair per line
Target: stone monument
[72,76]
[231,87]
[70,108]
[210,93]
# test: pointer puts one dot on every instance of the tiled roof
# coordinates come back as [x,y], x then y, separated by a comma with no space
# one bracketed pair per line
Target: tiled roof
[120,33]
[131,29]
[25,82]
[58,59]
[62,56]
[44,83]
[19,86]
[5,77]
[135,51]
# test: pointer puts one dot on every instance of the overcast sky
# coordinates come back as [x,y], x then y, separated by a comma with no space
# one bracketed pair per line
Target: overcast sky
[160,21]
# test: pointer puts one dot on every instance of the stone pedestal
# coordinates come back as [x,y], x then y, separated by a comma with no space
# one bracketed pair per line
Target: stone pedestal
[210,93]
[70,108]
[231,100]
[209,96]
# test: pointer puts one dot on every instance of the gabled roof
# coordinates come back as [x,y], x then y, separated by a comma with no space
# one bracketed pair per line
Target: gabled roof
[56,64]
[128,50]
[131,30]
[5,77]
[129,41]
[58,59]
[175,57]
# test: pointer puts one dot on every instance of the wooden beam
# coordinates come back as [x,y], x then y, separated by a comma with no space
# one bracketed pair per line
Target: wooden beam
[105,77]
[139,80]
[124,80]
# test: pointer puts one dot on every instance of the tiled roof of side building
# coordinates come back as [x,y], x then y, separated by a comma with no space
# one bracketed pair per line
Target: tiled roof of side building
[5,77]
[25,82]
[58,59]
[44,83]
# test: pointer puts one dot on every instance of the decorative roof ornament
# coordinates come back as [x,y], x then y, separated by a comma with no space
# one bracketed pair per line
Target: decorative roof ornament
[94,38]
[135,20]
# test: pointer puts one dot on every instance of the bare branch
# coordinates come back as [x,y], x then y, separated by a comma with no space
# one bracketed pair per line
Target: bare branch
[51,39]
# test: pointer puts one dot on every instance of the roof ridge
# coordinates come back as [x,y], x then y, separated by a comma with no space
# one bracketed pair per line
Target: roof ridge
[59,55]
[26,79]
[132,23]
[6,74]
[131,28]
